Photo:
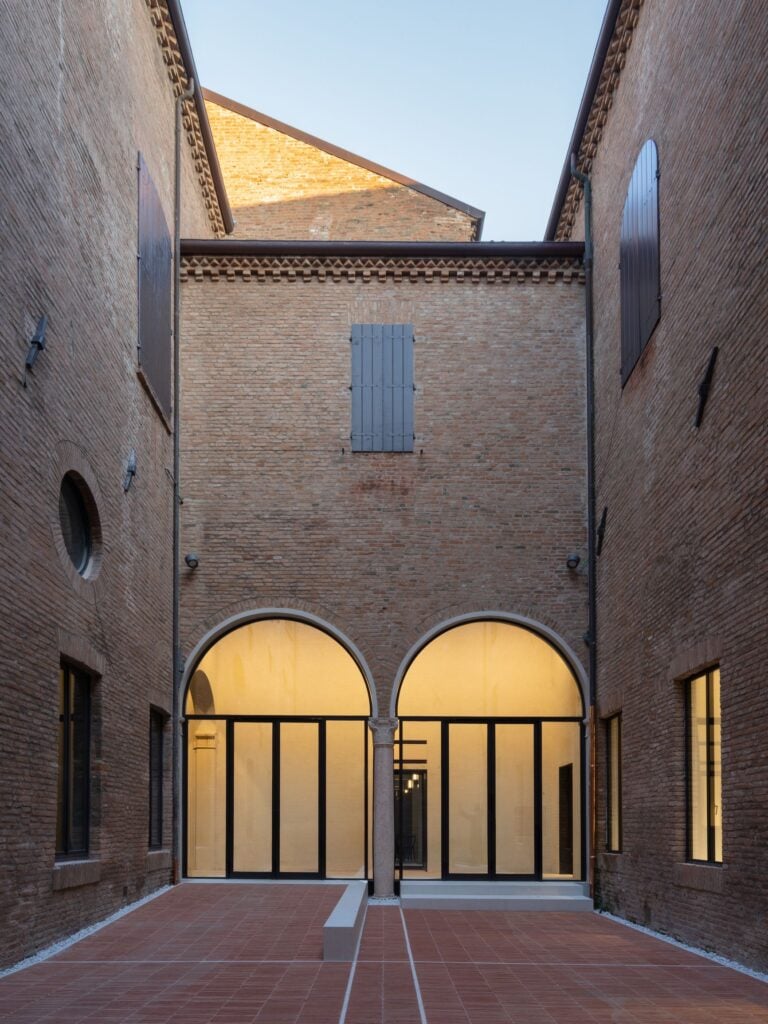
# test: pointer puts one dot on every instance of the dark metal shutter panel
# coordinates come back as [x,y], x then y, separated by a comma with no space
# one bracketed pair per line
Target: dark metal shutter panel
[639,259]
[155,263]
[650,270]
[407,388]
[382,387]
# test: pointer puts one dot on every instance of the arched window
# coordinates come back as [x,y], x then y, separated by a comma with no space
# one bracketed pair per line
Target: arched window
[639,265]
[277,756]
[489,758]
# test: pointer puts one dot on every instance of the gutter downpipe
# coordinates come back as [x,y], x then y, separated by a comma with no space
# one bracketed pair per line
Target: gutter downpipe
[177,661]
[591,634]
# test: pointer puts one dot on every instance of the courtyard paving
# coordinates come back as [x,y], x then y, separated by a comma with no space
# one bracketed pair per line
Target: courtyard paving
[243,953]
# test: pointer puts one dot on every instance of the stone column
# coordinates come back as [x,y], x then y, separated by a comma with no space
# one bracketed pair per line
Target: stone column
[383,730]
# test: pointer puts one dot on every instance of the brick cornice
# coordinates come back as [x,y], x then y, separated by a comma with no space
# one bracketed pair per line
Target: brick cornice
[179,78]
[602,101]
[500,269]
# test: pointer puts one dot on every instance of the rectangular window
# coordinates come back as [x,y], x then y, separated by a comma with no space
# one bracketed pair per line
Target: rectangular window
[382,387]
[156,728]
[155,264]
[705,802]
[613,784]
[73,809]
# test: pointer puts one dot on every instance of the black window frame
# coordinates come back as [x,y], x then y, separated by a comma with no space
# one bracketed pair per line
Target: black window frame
[709,759]
[609,803]
[156,792]
[74,779]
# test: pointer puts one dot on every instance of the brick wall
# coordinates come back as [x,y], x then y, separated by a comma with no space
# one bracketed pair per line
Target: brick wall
[85,88]
[281,187]
[481,516]
[682,577]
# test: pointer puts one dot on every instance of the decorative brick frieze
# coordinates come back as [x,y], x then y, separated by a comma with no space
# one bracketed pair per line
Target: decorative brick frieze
[177,73]
[359,268]
[598,115]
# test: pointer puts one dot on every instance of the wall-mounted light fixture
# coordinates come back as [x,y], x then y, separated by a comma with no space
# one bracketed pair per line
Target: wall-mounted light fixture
[572,561]
[192,560]
[36,346]
[130,470]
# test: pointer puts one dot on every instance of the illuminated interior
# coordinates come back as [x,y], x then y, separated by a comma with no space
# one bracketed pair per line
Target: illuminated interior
[491,736]
[277,732]
[705,778]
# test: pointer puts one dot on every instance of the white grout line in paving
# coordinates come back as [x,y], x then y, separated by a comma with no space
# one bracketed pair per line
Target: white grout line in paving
[419,1000]
[721,960]
[351,978]
[58,947]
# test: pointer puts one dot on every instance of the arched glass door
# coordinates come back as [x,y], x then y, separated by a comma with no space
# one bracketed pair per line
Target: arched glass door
[277,754]
[489,755]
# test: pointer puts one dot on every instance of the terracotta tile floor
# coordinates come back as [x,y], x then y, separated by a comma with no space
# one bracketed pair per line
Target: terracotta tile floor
[239,954]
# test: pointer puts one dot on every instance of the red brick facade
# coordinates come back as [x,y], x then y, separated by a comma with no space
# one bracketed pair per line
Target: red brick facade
[68,173]
[384,546]
[682,574]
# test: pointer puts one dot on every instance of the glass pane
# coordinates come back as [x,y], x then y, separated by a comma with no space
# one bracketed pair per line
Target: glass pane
[299,746]
[468,799]
[489,669]
[716,811]
[614,783]
[345,799]
[252,797]
[206,798]
[429,776]
[561,799]
[80,769]
[698,761]
[515,854]
[280,667]
[155,779]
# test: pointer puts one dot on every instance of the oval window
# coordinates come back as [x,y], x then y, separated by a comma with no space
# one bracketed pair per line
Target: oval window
[76,522]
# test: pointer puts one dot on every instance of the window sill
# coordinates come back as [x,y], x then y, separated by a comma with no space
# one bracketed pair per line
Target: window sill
[704,877]
[158,860]
[73,873]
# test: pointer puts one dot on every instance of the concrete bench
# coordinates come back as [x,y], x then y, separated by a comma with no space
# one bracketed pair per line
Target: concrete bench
[342,929]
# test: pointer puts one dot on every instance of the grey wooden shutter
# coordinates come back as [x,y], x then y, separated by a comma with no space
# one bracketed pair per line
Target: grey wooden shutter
[639,259]
[154,343]
[382,387]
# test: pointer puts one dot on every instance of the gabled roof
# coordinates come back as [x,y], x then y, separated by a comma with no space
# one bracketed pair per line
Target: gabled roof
[343,154]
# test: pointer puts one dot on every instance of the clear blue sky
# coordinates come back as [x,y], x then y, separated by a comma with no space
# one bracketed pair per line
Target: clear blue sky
[475,101]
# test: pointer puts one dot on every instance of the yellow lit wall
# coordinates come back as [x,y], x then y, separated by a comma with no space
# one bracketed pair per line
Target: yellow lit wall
[280,667]
[489,669]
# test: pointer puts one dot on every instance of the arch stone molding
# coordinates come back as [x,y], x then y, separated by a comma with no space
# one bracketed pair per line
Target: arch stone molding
[513,619]
[243,618]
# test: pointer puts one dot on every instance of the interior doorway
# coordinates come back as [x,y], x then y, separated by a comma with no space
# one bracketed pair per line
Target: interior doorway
[277,755]
[492,714]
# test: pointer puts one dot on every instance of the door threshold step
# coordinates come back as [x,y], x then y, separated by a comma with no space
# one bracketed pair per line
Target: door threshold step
[460,895]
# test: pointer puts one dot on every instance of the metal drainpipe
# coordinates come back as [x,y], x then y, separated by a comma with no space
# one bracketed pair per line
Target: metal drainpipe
[591,636]
[188,93]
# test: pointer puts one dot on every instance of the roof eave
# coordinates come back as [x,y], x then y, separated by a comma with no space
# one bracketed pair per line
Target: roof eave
[593,79]
[185,49]
[407,250]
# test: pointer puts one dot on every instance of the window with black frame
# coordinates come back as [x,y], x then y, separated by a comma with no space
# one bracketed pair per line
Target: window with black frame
[156,745]
[705,799]
[613,784]
[73,809]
